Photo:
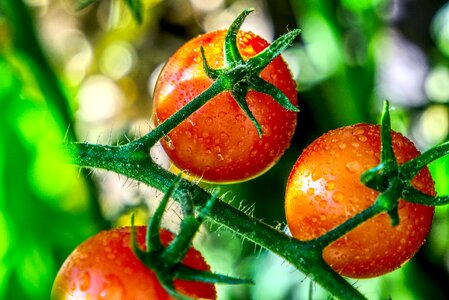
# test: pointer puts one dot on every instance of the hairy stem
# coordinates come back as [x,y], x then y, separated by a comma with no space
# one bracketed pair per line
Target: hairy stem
[302,255]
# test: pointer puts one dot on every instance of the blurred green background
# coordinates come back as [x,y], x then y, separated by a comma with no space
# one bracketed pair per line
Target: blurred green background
[88,75]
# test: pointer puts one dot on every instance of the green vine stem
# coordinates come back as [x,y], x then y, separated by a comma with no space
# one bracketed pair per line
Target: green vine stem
[134,163]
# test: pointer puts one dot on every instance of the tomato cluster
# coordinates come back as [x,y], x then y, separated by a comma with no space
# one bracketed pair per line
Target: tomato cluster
[219,143]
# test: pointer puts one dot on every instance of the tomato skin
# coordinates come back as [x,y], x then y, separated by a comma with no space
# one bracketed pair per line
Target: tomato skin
[218,142]
[104,267]
[324,190]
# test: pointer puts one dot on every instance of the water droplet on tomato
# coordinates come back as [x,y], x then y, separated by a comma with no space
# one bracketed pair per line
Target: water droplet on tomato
[337,197]
[169,143]
[209,121]
[362,138]
[311,191]
[330,185]
[113,288]
[353,166]
[239,117]
[316,175]
[323,217]
[359,132]
[342,146]
[84,281]
[322,203]
[224,135]
[266,130]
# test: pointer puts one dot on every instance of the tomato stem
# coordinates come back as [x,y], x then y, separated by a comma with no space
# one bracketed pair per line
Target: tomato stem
[303,255]
[337,232]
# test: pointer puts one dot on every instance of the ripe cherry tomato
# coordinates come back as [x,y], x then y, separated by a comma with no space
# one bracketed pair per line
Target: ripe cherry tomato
[324,190]
[218,142]
[104,267]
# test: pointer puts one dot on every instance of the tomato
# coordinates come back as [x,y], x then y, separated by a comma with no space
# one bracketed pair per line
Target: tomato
[104,267]
[324,190]
[218,142]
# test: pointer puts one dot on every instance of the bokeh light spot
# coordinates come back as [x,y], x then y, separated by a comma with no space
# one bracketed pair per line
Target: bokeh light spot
[437,84]
[99,99]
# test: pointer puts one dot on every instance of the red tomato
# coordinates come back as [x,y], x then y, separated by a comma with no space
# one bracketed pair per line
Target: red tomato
[218,142]
[324,190]
[104,267]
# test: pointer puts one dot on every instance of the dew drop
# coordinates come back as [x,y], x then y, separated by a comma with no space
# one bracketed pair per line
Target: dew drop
[314,220]
[112,289]
[224,135]
[353,166]
[337,197]
[311,191]
[239,117]
[84,281]
[322,204]
[322,217]
[316,175]
[362,138]
[266,130]
[169,143]
[208,121]
[359,132]
[330,185]
[342,146]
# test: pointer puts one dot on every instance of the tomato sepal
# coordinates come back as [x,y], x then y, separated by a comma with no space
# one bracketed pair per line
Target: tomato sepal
[166,261]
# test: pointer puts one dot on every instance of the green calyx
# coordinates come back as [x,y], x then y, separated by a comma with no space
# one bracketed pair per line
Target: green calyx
[394,180]
[239,76]
[166,262]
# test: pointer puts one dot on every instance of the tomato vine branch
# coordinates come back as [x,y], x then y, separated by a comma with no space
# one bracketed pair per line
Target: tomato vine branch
[304,256]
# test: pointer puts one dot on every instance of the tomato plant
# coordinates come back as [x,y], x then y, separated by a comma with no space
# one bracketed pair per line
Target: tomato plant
[324,190]
[105,267]
[219,142]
